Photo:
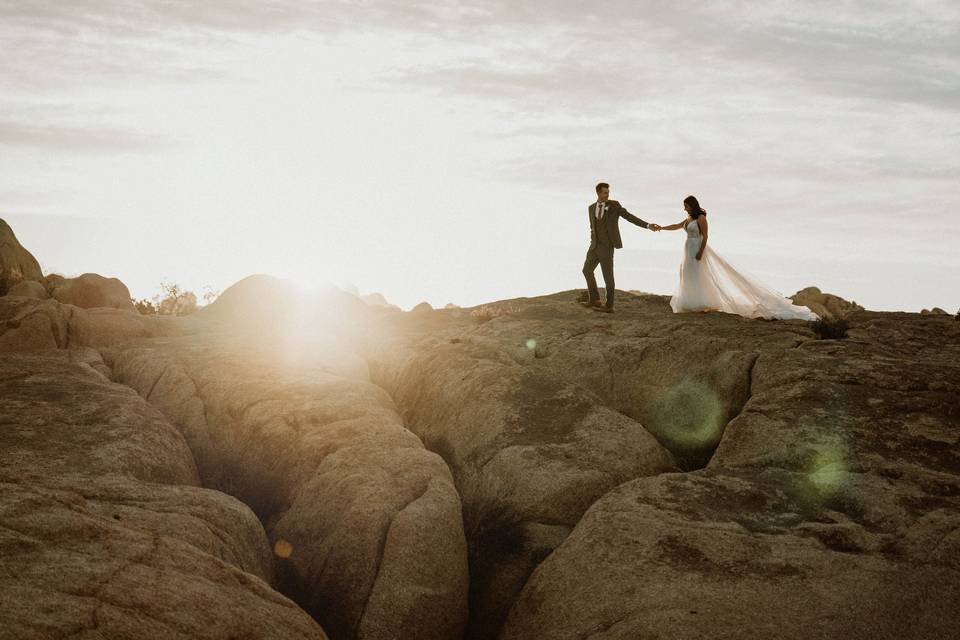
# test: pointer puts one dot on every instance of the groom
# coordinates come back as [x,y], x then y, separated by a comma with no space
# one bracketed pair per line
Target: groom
[605,217]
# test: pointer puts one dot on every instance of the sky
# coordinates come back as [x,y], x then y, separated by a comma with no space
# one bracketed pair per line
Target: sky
[447,151]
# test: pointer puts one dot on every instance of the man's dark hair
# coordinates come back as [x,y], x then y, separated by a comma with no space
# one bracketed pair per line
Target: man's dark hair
[601,185]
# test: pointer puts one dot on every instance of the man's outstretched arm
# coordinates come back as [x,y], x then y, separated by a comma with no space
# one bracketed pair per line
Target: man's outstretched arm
[629,217]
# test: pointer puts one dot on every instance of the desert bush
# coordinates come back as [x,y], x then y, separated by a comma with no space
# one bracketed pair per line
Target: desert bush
[210,295]
[830,328]
[488,312]
[144,307]
[175,300]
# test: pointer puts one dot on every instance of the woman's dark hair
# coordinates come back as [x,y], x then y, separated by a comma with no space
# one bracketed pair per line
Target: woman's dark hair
[697,209]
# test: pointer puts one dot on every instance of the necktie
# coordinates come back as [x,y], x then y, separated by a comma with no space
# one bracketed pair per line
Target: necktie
[600,208]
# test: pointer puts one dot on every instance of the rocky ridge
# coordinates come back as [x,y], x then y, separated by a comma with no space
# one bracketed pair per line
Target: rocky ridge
[526,469]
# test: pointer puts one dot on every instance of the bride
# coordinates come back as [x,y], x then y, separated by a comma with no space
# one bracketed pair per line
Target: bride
[709,283]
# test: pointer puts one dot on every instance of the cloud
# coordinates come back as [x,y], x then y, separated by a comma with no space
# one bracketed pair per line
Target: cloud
[82,139]
[903,51]
[906,52]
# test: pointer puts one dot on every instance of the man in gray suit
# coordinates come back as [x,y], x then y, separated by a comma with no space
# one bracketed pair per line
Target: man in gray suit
[604,215]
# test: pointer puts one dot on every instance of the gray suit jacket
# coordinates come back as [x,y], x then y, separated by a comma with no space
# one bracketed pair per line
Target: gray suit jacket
[611,222]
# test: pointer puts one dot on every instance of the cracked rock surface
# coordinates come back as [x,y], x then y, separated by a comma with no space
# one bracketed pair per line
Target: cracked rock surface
[370,519]
[104,532]
[717,476]
[641,474]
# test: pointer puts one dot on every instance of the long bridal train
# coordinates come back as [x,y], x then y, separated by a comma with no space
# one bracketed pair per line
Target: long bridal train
[712,284]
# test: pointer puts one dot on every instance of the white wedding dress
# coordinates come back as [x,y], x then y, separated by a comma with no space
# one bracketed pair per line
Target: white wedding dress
[711,284]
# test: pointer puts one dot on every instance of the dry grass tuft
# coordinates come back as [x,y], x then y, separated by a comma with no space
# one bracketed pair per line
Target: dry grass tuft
[488,312]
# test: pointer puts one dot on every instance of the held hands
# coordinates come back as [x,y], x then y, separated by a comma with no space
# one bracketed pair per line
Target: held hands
[653,226]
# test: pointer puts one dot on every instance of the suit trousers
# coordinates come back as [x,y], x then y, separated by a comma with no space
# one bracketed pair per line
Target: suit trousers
[603,255]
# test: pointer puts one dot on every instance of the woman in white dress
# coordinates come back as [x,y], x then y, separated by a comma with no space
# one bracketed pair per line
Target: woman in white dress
[709,283]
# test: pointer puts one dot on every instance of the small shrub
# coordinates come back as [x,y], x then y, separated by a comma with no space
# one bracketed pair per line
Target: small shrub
[210,295]
[488,312]
[830,328]
[175,300]
[144,307]
[583,296]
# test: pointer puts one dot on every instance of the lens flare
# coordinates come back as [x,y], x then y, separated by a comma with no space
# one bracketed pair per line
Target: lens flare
[283,549]
[690,415]
[827,471]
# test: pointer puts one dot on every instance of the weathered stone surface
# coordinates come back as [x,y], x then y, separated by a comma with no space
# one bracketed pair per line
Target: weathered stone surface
[29,289]
[522,401]
[27,324]
[748,554]
[825,305]
[105,533]
[747,398]
[379,301]
[16,263]
[91,290]
[830,508]
[644,474]
[367,521]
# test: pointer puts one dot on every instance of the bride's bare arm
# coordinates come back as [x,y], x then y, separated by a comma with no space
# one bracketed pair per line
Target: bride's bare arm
[674,227]
[702,223]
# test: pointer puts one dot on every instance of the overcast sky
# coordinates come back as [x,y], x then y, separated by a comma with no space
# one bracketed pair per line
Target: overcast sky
[447,151]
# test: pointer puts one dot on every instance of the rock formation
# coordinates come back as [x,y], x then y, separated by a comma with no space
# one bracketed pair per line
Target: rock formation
[812,451]
[365,523]
[372,519]
[106,533]
[377,300]
[29,289]
[16,263]
[825,305]
[525,469]
[91,290]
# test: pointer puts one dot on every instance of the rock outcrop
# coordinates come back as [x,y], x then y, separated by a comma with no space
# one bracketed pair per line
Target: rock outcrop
[366,522]
[377,300]
[29,289]
[521,409]
[825,305]
[27,324]
[106,533]
[803,456]
[422,308]
[16,263]
[830,508]
[89,291]
[545,470]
